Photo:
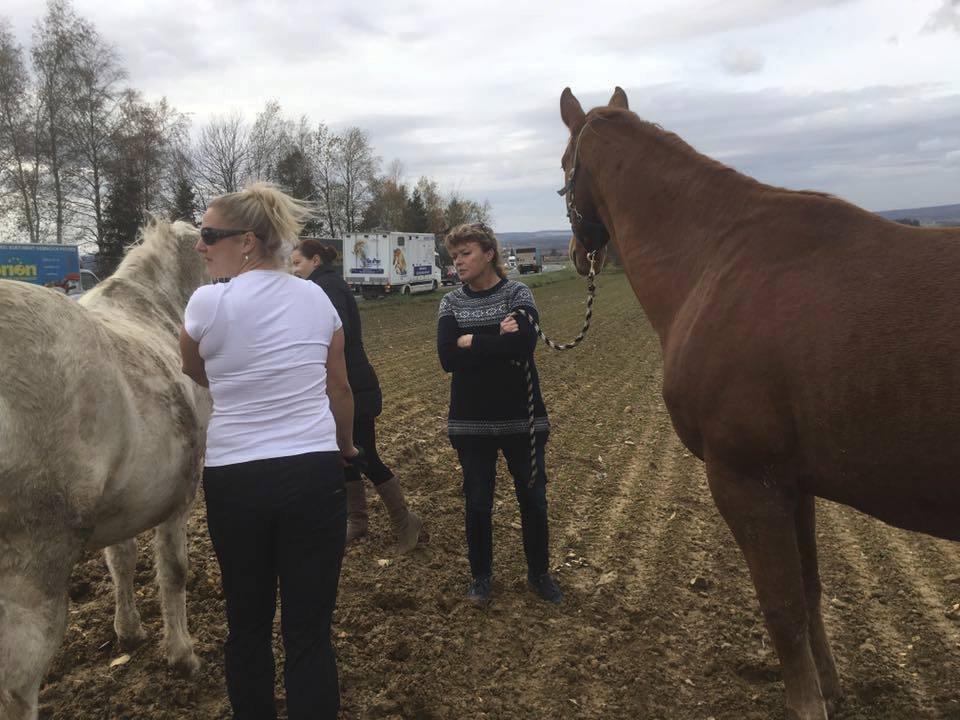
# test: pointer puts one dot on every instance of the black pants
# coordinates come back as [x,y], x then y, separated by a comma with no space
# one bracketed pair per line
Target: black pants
[279,519]
[479,462]
[365,436]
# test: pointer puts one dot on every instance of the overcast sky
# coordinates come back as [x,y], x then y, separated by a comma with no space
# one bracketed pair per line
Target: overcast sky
[860,98]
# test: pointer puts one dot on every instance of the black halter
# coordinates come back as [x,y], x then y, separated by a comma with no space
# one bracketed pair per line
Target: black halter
[591,233]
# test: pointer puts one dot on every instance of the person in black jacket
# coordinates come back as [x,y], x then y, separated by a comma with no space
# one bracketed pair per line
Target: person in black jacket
[313,260]
[484,343]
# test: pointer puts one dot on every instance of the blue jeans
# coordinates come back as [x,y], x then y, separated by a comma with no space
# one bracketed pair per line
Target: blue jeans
[479,462]
[282,519]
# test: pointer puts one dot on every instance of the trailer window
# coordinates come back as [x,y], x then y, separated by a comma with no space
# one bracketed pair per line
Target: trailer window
[400,241]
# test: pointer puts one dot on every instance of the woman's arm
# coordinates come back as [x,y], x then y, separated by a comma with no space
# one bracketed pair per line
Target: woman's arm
[516,344]
[453,357]
[191,362]
[340,395]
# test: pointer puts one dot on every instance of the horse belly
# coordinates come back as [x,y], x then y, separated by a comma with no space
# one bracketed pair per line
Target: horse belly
[917,491]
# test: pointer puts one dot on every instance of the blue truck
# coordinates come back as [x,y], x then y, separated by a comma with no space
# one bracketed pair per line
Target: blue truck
[52,266]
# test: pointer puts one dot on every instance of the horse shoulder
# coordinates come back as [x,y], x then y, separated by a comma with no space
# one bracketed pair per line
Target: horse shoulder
[724,384]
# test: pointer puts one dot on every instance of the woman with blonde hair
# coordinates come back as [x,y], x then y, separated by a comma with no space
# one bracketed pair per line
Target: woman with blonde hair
[483,342]
[270,348]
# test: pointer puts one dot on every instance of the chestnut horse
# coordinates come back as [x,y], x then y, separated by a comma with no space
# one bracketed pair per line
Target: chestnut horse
[810,349]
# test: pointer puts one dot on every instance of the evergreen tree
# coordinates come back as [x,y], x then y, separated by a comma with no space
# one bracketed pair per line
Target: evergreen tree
[184,202]
[123,217]
[296,178]
[416,215]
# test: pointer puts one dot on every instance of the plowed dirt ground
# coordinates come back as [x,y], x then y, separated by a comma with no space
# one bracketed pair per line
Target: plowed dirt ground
[660,619]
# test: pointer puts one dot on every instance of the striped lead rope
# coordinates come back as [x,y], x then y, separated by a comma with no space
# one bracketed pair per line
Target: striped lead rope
[591,293]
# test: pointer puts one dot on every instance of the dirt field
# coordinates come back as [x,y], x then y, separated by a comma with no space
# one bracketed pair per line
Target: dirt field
[660,619]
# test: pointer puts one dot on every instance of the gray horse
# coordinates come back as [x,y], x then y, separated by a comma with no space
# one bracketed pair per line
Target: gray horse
[101,438]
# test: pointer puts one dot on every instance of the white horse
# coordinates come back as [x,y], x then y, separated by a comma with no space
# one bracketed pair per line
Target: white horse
[101,438]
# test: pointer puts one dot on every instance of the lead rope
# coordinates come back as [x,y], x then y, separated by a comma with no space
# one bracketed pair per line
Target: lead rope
[591,292]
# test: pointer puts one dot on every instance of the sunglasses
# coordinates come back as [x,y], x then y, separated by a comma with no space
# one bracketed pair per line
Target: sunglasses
[211,235]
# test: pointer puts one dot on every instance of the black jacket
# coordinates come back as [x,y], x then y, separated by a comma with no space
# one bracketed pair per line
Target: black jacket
[367,399]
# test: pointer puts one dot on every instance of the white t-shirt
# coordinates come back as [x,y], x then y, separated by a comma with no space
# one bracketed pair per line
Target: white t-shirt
[264,338]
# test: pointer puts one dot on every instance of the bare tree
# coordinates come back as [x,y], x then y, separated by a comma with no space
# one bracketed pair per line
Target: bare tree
[322,154]
[18,141]
[221,156]
[91,116]
[356,166]
[54,43]
[269,140]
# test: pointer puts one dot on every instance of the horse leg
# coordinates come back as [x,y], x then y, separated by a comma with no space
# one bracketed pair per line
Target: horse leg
[33,620]
[819,644]
[762,519]
[171,558]
[122,563]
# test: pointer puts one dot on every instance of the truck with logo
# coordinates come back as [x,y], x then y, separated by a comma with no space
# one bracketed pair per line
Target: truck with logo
[381,263]
[53,266]
[529,260]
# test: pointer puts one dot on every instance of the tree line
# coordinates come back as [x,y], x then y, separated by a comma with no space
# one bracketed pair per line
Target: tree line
[84,157]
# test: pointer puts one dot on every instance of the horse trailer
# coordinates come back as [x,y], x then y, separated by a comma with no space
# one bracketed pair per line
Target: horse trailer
[377,264]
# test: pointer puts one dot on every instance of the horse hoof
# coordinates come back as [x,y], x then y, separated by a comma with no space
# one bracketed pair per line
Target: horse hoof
[185,666]
[132,640]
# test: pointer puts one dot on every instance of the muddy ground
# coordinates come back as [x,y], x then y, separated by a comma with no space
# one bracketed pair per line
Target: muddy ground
[660,619]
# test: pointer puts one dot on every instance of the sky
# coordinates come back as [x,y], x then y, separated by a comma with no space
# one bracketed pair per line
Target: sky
[859,98]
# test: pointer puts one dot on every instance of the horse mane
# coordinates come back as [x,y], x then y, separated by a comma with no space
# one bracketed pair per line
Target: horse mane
[156,276]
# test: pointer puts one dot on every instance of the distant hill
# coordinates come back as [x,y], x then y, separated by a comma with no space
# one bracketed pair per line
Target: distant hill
[546,240]
[556,240]
[935,215]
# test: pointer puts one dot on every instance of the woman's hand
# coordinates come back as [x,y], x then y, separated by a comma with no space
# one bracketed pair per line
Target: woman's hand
[465,341]
[509,325]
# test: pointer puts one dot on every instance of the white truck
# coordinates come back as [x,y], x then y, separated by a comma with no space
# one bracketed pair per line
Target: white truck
[376,264]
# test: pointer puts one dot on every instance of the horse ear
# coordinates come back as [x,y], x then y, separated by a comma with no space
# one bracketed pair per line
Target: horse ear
[618,99]
[570,111]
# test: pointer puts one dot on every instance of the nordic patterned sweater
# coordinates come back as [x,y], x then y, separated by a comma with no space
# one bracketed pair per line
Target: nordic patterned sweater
[488,390]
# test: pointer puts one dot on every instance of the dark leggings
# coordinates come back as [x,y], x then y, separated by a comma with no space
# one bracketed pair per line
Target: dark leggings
[479,463]
[282,519]
[365,436]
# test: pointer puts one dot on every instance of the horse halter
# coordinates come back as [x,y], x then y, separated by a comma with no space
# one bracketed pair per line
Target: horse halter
[592,234]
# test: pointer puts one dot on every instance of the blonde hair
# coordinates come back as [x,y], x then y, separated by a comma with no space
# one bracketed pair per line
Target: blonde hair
[272,215]
[481,234]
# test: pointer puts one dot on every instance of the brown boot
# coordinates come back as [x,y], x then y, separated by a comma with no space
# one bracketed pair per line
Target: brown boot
[356,510]
[406,525]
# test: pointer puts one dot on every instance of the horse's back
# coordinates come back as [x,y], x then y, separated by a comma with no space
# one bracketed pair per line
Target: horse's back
[96,416]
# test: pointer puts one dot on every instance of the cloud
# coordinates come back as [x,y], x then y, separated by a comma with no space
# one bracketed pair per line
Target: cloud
[669,26]
[946,17]
[741,61]
[879,147]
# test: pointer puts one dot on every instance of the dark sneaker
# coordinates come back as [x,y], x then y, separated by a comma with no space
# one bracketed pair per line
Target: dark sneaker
[546,588]
[479,591]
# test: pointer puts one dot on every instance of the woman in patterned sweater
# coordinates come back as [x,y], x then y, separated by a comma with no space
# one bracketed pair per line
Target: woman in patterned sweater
[483,342]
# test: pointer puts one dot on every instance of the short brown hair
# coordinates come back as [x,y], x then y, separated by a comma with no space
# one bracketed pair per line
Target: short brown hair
[482,234]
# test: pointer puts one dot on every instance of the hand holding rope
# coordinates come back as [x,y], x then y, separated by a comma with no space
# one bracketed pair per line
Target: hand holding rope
[591,293]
